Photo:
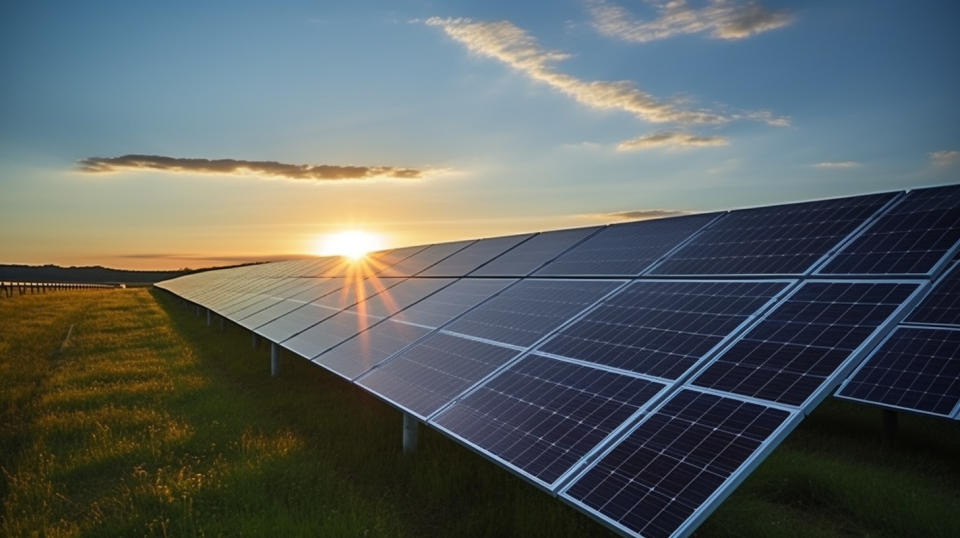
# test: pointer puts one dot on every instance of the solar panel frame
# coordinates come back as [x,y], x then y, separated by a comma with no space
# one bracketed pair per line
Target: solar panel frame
[331,358]
[415,315]
[866,363]
[831,382]
[326,285]
[519,255]
[515,469]
[700,222]
[509,352]
[657,269]
[949,284]
[474,256]
[434,254]
[451,326]
[789,285]
[891,210]
[720,494]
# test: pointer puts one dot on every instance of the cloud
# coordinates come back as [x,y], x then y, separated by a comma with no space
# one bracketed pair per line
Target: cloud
[513,46]
[944,158]
[507,43]
[645,214]
[272,169]
[837,165]
[670,139]
[722,19]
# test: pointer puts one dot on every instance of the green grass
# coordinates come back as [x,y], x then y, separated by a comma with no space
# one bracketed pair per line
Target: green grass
[149,423]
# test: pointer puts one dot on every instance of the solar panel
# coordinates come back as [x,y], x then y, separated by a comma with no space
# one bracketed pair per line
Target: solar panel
[533,253]
[795,349]
[423,259]
[370,348]
[662,327]
[542,415]
[673,469]
[942,305]
[271,297]
[527,311]
[910,238]
[452,301]
[319,288]
[474,256]
[625,249]
[915,368]
[310,314]
[399,296]
[328,333]
[434,371]
[782,239]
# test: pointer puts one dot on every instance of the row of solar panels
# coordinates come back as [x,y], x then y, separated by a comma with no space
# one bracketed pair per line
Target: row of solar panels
[642,401]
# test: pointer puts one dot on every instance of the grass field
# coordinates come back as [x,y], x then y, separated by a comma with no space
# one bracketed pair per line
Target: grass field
[149,423]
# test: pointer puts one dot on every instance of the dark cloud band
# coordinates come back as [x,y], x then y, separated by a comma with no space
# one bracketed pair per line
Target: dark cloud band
[321,172]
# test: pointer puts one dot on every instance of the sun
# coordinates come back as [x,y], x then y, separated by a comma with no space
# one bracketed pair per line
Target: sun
[352,244]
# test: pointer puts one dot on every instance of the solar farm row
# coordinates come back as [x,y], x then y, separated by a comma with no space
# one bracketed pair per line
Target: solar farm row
[638,371]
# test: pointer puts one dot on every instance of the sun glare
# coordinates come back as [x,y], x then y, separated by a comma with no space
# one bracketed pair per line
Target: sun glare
[353,244]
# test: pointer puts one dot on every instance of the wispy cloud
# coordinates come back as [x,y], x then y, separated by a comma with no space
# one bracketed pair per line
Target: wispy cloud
[721,19]
[670,139]
[645,214]
[507,43]
[270,169]
[944,158]
[837,165]
[504,41]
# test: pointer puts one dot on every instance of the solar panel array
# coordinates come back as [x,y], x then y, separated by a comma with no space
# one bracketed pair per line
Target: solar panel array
[639,371]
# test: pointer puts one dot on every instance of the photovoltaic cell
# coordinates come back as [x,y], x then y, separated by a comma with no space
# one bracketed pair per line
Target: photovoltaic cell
[910,238]
[542,415]
[310,314]
[942,305]
[328,333]
[434,371]
[423,259]
[370,348]
[319,288]
[625,249]
[527,311]
[799,345]
[915,368]
[452,301]
[390,301]
[661,327]
[270,298]
[533,253]
[663,472]
[474,256]
[783,239]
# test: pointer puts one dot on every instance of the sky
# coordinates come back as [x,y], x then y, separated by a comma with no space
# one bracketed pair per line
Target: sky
[158,135]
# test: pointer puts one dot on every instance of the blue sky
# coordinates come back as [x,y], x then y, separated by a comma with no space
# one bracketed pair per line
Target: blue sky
[462,119]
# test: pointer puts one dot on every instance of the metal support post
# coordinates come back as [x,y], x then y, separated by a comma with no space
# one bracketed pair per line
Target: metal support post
[274,360]
[410,426]
[255,338]
[209,317]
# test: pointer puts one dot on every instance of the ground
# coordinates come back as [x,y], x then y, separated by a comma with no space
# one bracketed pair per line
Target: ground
[148,422]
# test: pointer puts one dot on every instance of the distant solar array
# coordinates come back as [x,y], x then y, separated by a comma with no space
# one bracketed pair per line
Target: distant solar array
[639,371]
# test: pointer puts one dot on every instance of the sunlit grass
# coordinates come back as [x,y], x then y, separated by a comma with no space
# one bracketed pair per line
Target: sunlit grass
[150,423]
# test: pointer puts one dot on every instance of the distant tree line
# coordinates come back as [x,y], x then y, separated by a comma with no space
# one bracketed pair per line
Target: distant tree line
[55,273]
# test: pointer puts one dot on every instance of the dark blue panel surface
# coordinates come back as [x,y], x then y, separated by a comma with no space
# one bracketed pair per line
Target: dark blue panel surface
[625,249]
[661,327]
[916,368]
[369,348]
[942,304]
[910,238]
[659,475]
[434,371]
[474,256]
[804,340]
[423,259]
[533,253]
[524,313]
[450,302]
[782,239]
[543,415]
